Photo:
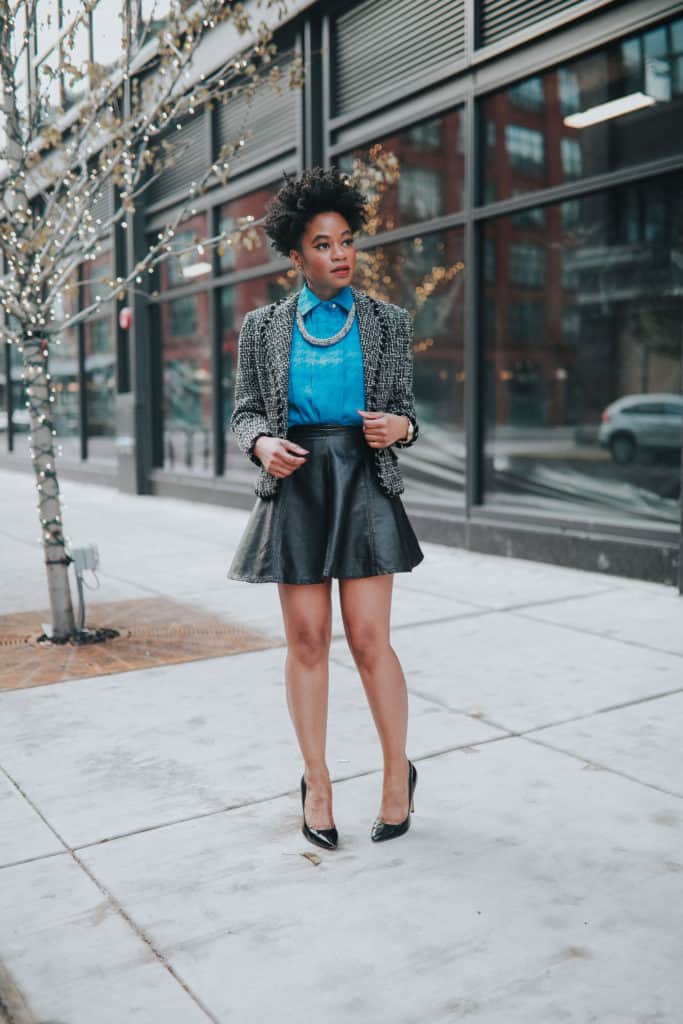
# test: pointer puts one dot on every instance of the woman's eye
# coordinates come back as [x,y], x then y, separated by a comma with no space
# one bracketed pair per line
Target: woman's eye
[348,241]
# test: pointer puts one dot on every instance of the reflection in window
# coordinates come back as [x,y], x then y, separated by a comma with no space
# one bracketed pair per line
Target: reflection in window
[21,423]
[527,264]
[571,324]
[534,218]
[420,194]
[251,248]
[568,88]
[583,392]
[186,384]
[528,94]
[489,261]
[425,275]
[525,148]
[570,277]
[570,150]
[430,161]
[100,383]
[570,213]
[526,320]
[642,71]
[426,135]
[183,316]
[192,259]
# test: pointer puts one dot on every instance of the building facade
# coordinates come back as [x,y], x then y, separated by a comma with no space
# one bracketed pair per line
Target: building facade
[534,231]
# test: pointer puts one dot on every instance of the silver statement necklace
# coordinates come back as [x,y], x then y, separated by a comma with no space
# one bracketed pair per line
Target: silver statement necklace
[323,342]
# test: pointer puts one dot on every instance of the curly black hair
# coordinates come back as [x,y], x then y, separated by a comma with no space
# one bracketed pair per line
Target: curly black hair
[298,200]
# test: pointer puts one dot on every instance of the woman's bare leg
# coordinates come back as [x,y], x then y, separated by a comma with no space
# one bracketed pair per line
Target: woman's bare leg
[366,610]
[307,615]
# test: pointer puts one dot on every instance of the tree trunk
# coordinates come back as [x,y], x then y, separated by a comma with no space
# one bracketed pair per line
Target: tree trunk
[40,404]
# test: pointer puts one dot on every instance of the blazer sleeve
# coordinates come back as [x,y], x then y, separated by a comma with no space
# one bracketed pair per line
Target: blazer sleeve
[402,402]
[249,419]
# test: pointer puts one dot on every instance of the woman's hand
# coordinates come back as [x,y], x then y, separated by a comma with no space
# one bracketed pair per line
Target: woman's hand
[279,456]
[383,428]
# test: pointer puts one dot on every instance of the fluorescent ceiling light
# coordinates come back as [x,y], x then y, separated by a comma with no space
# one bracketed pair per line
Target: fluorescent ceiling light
[196,269]
[604,111]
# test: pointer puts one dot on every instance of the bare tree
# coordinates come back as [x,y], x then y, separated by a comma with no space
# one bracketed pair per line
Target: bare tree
[58,158]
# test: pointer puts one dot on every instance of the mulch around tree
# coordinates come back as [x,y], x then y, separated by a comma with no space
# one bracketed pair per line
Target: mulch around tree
[153,631]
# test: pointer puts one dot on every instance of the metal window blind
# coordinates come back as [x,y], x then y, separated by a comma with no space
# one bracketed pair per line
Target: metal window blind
[102,203]
[268,120]
[190,156]
[500,18]
[381,45]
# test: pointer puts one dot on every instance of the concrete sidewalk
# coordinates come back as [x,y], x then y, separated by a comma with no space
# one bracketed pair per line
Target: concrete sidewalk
[151,858]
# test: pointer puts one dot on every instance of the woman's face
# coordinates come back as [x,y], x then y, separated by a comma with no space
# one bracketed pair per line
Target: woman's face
[327,254]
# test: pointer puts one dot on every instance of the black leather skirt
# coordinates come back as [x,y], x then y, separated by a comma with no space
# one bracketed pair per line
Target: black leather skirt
[328,518]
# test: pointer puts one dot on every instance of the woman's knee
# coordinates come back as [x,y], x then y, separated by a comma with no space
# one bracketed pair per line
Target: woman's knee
[308,645]
[367,644]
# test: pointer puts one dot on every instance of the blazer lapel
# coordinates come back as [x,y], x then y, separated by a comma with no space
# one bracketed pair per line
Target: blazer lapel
[370,343]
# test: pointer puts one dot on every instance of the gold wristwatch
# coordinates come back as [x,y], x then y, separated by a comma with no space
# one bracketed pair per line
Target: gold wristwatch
[411,431]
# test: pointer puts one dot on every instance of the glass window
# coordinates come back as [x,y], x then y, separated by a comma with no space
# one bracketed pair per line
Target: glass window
[21,423]
[533,218]
[419,194]
[528,94]
[525,149]
[426,165]
[527,264]
[100,385]
[584,411]
[100,359]
[614,108]
[489,260]
[425,275]
[570,151]
[193,260]
[249,248]
[426,135]
[182,316]
[186,384]
[526,320]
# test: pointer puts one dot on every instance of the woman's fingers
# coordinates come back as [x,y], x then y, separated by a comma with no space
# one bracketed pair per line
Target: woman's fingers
[287,457]
[375,427]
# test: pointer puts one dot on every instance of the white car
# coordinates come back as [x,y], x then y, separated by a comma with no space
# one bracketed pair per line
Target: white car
[641,422]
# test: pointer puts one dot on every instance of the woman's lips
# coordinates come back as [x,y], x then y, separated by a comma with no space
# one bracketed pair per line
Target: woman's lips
[342,270]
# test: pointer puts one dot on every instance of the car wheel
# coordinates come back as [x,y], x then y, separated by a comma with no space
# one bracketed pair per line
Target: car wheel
[623,448]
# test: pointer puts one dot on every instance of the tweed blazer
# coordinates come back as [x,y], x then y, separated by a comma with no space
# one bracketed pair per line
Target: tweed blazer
[262,380]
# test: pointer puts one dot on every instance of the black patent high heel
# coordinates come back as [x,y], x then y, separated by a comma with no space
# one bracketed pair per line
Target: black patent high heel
[325,837]
[382,830]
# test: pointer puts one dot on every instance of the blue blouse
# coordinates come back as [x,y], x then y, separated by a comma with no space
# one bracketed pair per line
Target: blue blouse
[326,384]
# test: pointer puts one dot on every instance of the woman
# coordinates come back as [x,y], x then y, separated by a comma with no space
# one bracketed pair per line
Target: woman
[323,396]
